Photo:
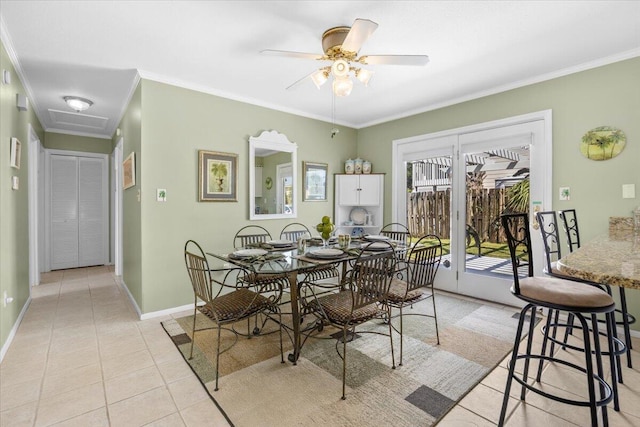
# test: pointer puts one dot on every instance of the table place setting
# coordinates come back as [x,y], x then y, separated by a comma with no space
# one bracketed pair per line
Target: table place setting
[273,245]
[254,255]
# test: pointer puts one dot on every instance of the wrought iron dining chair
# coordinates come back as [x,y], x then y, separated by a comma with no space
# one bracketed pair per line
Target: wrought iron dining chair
[570,225]
[226,304]
[396,231]
[359,302]
[585,302]
[294,231]
[414,281]
[251,235]
[257,236]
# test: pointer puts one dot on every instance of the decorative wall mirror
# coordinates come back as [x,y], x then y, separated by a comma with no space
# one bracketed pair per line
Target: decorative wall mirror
[272,176]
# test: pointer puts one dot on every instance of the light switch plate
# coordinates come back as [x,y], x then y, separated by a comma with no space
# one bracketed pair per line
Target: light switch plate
[564,193]
[161,194]
[15,183]
[628,191]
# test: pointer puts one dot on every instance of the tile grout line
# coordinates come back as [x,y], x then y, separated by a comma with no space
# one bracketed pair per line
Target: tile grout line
[46,363]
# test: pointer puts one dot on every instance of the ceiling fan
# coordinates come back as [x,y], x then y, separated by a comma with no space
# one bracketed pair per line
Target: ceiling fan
[341,46]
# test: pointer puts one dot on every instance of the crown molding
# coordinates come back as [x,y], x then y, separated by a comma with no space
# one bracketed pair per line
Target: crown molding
[13,57]
[622,56]
[247,100]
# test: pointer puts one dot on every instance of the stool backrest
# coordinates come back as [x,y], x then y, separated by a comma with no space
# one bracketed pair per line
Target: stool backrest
[516,228]
[570,225]
[548,223]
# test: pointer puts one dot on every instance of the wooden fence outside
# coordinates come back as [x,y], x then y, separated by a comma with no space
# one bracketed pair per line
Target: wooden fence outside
[429,213]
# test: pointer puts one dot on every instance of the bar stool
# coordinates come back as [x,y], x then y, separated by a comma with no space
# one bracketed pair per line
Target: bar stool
[570,224]
[563,295]
[549,230]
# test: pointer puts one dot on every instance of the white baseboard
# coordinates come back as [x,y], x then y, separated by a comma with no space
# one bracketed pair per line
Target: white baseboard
[166,312]
[152,314]
[132,300]
[12,334]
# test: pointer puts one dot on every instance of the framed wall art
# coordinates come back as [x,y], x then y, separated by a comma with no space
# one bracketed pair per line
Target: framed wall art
[129,171]
[218,176]
[315,182]
[16,153]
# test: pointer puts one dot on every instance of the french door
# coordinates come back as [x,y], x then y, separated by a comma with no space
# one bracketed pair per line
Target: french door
[462,178]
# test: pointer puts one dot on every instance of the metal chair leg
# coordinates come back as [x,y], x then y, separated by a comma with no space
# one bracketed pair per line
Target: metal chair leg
[512,366]
[625,324]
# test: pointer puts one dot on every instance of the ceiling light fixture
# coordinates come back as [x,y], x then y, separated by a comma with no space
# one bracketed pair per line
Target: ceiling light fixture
[342,86]
[341,46]
[77,103]
[342,83]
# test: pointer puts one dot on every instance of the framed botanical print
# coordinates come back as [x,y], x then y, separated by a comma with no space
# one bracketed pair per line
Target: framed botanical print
[129,171]
[218,176]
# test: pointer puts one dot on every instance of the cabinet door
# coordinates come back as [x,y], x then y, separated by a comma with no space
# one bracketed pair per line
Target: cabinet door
[91,212]
[349,189]
[370,190]
[64,212]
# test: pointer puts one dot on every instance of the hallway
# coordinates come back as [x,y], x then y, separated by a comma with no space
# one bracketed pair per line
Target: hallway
[81,357]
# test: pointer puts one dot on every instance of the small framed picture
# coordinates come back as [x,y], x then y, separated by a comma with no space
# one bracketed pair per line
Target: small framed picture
[315,182]
[16,153]
[218,176]
[129,171]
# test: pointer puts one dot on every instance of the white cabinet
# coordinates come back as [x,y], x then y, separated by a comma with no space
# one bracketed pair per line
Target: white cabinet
[359,201]
[359,190]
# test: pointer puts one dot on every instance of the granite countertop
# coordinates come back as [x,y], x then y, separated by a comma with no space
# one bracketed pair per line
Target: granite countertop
[612,258]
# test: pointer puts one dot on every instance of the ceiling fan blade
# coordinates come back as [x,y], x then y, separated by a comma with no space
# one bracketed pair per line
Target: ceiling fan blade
[360,31]
[291,54]
[298,82]
[394,59]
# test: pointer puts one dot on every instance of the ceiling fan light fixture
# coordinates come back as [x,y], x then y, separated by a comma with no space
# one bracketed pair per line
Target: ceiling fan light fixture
[364,76]
[77,103]
[340,68]
[342,86]
[320,77]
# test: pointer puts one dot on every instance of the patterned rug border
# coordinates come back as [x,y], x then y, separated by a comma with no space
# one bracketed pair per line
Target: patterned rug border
[172,323]
[184,357]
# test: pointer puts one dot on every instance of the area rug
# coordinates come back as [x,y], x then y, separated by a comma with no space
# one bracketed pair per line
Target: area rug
[255,388]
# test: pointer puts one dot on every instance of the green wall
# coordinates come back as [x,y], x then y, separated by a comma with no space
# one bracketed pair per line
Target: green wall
[131,133]
[87,144]
[174,124]
[608,95]
[14,209]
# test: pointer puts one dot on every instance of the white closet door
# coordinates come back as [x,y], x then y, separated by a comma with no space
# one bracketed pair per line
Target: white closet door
[64,212]
[91,210]
[79,216]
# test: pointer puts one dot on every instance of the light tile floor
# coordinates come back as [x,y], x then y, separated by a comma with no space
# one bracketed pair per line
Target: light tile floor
[81,357]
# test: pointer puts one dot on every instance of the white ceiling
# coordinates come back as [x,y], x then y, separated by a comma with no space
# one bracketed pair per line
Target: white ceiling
[96,49]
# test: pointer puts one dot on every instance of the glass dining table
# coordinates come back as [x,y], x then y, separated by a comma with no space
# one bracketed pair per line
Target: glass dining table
[288,262]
